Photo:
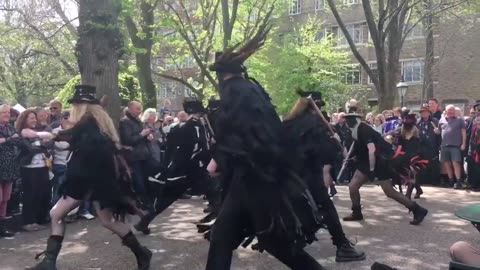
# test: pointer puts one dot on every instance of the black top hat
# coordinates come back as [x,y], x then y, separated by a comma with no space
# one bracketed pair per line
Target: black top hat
[315,95]
[476,105]
[227,65]
[352,115]
[193,106]
[213,104]
[84,94]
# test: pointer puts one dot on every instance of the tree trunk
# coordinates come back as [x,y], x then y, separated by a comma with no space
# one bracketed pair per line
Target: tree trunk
[144,51]
[427,91]
[98,49]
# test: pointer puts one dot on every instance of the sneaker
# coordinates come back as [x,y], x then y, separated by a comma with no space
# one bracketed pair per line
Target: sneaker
[30,228]
[86,216]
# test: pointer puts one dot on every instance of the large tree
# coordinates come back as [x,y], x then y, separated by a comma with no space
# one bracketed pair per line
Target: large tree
[389,23]
[99,47]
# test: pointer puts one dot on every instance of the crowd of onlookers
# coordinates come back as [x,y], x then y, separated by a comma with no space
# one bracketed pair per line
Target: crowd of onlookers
[450,138]
[32,165]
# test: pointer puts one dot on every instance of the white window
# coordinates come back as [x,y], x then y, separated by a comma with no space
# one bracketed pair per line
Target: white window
[412,70]
[167,90]
[415,32]
[350,2]
[295,7]
[352,75]
[320,4]
[358,32]
[374,68]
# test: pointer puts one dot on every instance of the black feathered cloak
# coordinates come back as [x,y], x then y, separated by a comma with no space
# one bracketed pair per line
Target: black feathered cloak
[252,151]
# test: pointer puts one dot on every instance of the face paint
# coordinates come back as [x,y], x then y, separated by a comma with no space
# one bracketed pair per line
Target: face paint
[352,122]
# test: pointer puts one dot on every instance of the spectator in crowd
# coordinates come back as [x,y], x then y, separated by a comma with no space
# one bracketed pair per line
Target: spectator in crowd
[458,112]
[182,116]
[60,157]
[394,121]
[454,141]
[334,119]
[149,118]
[55,118]
[13,116]
[9,169]
[134,136]
[431,141]
[378,122]
[167,124]
[435,108]
[35,173]
[465,253]
[473,151]
[42,120]
[369,118]
[165,110]
[343,131]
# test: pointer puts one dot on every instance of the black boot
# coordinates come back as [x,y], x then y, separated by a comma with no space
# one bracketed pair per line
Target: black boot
[143,254]
[418,193]
[409,191]
[142,225]
[419,213]
[356,214]
[3,230]
[54,244]
[347,253]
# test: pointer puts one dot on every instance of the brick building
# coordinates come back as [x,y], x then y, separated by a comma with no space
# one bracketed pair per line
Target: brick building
[457,58]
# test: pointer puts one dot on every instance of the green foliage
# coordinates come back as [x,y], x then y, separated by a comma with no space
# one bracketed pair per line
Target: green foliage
[307,63]
[128,86]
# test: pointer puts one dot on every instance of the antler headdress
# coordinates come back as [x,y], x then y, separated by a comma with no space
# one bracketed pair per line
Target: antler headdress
[232,61]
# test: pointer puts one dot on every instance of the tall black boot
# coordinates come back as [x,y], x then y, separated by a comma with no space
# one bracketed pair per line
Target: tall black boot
[54,244]
[143,254]
[333,190]
[409,191]
[346,252]
[3,229]
[419,191]
[419,213]
[356,214]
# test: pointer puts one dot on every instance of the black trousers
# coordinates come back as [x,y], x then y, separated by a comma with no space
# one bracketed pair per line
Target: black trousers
[228,230]
[473,171]
[37,195]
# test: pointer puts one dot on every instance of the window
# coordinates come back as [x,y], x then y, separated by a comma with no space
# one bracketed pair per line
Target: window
[188,92]
[415,32]
[320,4]
[412,70]
[374,68]
[350,2]
[358,32]
[352,76]
[320,35]
[295,7]
[167,90]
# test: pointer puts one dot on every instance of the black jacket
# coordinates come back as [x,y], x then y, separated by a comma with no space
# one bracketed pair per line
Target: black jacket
[130,129]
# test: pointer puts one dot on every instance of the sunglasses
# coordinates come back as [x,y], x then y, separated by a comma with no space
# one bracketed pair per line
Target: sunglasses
[53,108]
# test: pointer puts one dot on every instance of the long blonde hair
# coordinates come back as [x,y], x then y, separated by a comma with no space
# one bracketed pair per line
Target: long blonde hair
[300,106]
[105,123]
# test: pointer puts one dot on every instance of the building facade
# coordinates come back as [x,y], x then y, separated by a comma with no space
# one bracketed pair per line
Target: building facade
[457,59]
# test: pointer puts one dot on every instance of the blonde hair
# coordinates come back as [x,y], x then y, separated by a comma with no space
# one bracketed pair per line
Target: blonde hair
[105,123]
[147,113]
[300,106]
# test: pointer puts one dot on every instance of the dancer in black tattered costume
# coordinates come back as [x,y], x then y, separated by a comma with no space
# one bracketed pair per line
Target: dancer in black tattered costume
[95,172]
[374,160]
[317,151]
[262,196]
[185,163]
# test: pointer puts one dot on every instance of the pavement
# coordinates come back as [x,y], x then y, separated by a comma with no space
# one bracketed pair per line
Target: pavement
[385,235]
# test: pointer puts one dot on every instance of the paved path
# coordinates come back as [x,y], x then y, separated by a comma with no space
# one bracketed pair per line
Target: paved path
[385,235]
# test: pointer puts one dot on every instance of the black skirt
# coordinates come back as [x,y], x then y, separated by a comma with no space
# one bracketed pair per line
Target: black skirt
[383,168]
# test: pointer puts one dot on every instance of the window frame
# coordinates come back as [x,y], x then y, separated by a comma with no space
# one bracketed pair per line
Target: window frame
[422,70]
[344,76]
[323,7]
[298,7]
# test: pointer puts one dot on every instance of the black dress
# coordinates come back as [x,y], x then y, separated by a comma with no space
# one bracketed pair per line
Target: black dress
[94,170]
